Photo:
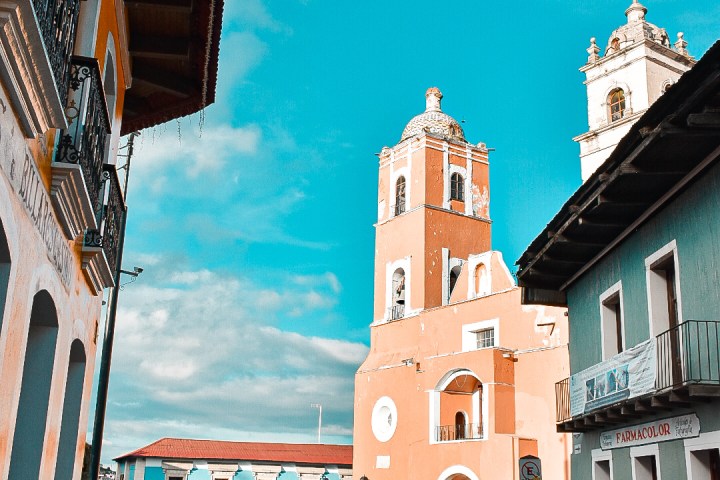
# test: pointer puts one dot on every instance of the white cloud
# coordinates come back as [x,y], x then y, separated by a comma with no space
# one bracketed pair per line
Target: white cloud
[196,354]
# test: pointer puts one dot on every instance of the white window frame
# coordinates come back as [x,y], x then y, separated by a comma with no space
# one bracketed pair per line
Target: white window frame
[390,269]
[448,264]
[705,441]
[400,172]
[607,318]
[599,455]
[653,283]
[472,263]
[469,337]
[652,450]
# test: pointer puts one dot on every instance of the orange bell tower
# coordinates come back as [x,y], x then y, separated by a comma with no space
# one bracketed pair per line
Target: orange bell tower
[433,211]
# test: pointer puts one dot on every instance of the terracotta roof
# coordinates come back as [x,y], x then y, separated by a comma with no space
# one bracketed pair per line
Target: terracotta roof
[185,448]
[174,49]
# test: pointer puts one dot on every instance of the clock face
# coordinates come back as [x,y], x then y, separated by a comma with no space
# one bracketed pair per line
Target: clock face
[384,419]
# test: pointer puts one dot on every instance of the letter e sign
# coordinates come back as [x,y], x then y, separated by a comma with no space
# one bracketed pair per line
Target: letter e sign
[530,468]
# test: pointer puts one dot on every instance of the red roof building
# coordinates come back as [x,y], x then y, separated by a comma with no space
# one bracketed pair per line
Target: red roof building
[187,459]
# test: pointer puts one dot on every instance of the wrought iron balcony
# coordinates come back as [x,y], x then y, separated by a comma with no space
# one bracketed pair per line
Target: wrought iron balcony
[58,21]
[396,312]
[399,208]
[686,364]
[84,142]
[107,236]
[452,433]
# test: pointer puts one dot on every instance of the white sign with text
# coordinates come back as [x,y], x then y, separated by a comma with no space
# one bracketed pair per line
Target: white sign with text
[685,426]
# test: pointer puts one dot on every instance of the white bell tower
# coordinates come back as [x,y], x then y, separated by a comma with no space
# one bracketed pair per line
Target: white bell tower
[638,65]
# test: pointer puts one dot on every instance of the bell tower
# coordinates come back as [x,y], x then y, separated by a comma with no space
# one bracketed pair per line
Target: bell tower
[433,211]
[637,66]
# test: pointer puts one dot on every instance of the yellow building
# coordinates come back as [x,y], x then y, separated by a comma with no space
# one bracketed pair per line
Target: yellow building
[76,75]
[457,381]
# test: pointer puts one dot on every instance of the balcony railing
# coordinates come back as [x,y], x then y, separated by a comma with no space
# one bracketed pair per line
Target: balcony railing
[110,222]
[396,312]
[687,363]
[89,125]
[399,208]
[689,354]
[451,433]
[58,21]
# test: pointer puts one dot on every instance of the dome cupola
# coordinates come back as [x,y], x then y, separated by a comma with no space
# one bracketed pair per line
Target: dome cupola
[433,120]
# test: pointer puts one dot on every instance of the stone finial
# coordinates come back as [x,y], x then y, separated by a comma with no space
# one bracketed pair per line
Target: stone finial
[593,51]
[432,99]
[635,12]
[681,45]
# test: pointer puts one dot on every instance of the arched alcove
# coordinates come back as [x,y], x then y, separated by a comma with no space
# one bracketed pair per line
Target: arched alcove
[4,272]
[27,447]
[71,412]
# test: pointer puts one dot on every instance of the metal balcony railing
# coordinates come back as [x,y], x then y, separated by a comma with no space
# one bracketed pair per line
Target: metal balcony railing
[396,312]
[58,21]
[450,433]
[399,208]
[688,354]
[110,222]
[89,125]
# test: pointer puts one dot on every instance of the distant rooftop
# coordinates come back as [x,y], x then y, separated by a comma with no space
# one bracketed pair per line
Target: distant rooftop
[184,448]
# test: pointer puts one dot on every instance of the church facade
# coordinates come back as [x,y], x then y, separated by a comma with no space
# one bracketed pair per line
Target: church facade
[454,385]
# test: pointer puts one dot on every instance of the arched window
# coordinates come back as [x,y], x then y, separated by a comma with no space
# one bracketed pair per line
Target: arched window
[29,437]
[400,196]
[4,271]
[481,280]
[457,187]
[616,104]
[71,412]
[454,275]
[397,309]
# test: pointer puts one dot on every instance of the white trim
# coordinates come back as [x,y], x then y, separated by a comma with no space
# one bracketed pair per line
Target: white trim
[381,427]
[390,269]
[652,450]
[394,175]
[458,469]
[446,176]
[608,351]
[599,455]
[651,282]
[448,264]
[627,93]
[468,182]
[705,441]
[469,342]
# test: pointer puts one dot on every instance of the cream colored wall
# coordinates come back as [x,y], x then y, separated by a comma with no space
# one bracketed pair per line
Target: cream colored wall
[33,270]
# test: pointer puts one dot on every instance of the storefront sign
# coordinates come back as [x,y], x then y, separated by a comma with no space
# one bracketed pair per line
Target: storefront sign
[19,167]
[626,375]
[685,426]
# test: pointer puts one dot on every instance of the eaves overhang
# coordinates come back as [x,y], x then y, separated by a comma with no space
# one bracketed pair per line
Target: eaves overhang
[676,139]
[174,48]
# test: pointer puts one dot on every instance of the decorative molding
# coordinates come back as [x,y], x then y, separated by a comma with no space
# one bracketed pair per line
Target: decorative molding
[70,199]
[26,72]
[96,269]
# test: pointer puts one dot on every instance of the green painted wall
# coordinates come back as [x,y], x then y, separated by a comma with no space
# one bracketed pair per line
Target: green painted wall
[693,221]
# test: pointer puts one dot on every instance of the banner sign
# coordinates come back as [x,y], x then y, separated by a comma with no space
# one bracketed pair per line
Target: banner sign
[685,426]
[628,374]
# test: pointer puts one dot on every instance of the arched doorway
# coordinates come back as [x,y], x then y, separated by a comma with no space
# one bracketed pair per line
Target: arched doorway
[27,447]
[71,412]
[458,472]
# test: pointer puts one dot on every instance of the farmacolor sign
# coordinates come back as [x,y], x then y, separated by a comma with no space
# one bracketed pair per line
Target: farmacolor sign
[684,426]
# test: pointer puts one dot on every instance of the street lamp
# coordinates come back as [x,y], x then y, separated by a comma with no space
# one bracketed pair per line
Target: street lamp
[319,407]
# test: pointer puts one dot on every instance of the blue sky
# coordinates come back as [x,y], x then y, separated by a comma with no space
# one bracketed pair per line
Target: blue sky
[255,226]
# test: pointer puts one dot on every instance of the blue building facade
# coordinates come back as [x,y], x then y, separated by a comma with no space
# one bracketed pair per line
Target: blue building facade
[635,256]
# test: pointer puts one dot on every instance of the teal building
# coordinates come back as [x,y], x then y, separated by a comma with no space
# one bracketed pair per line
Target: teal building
[635,256]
